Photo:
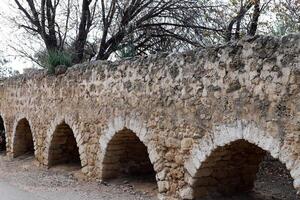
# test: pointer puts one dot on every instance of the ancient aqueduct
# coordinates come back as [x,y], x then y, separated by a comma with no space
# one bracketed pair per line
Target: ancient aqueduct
[186,116]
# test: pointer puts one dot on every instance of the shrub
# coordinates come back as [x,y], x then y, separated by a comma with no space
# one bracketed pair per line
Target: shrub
[57,58]
[128,52]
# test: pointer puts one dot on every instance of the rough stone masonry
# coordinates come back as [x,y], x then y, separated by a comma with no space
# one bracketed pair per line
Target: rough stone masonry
[186,116]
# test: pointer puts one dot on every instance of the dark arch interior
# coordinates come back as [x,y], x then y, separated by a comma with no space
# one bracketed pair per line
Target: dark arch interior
[23,141]
[2,136]
[63,147]
[127,157]
[243,171]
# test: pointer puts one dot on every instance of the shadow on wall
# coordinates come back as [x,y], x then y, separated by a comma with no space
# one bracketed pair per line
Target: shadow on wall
[231,172]
[23,140]
[63,148]
[125,156]
[2,136]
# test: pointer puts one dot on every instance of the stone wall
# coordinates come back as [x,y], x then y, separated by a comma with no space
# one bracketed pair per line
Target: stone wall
[182,107]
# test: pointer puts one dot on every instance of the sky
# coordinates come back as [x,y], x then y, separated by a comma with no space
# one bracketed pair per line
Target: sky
[8,35]
[12,37]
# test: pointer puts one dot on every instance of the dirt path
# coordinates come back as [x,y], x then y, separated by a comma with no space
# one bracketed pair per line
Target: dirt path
[9,192]
[22,178]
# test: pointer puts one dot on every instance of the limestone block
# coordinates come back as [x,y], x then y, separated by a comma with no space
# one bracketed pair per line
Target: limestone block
[186,143]
[163,186]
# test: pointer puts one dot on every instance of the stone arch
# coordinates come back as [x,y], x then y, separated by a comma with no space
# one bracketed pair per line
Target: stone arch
[23,138]
[136,126]
[125,154]
[63,146]
[3,137]
[125,133]
[226,143]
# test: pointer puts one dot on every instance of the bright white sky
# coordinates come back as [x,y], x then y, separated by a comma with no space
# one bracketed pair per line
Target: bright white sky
[7,37]
[10,36]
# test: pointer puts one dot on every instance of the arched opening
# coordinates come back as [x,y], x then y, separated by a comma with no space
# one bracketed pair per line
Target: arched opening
[126,157]
[23,141]
[63,149]
[241,170]
[2,136]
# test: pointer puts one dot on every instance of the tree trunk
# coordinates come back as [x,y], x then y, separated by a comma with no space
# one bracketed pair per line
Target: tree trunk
[84,28]
[51,43]
[255,17]
[238,29]
[238,18]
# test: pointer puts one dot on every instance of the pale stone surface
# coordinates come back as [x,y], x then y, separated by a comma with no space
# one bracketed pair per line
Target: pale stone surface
[186,143]
[163,186]
[182,107]
[186,193]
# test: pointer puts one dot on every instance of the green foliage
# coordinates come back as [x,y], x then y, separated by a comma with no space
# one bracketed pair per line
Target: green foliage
[279,29]
[128,52]
[55,58]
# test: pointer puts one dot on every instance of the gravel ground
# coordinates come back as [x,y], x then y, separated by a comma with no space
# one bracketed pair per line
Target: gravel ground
[60,183]
[65,183]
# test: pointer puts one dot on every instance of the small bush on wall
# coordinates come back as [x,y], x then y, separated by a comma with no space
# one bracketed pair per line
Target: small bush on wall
[56,58]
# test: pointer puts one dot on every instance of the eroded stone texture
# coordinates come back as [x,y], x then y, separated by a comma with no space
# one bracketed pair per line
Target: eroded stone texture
[182,107]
